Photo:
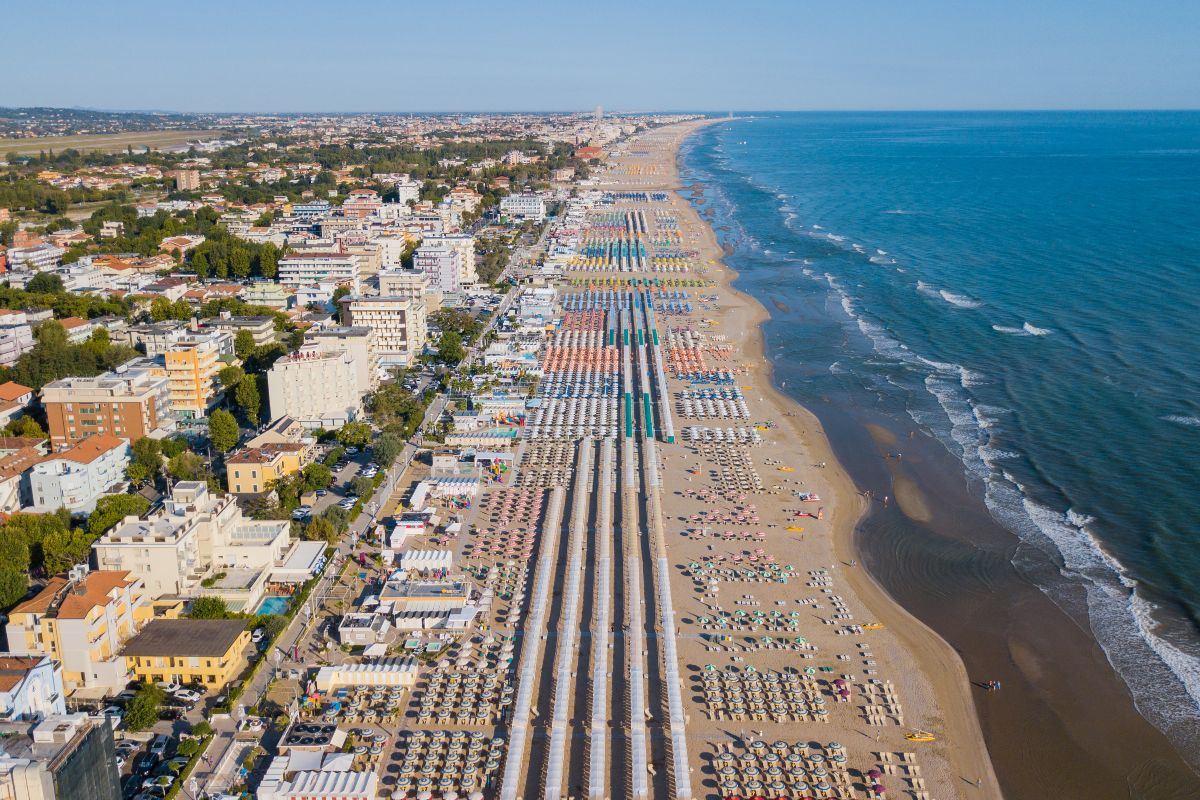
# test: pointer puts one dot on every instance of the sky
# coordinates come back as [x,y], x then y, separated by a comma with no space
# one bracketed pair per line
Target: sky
[510,55]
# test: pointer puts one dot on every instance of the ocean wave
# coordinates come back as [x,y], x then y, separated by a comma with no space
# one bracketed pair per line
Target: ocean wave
[1182,419]
[953,298]
[899,211]
[1033,330]
[1026,329]
[881,260]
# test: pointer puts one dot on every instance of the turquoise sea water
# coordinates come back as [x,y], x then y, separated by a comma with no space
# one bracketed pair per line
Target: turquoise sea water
[1026,288]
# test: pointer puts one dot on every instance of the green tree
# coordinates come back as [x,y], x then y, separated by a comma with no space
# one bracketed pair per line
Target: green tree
[362,486]
[208,608]
[450,347]
[160,309]
[317,476]
[146,461]
[62,550]
[355,434]
[321,529]
[46,282]
[14,584]
[239,263]
[113,508]
[142,711]
[223,430]
[268,261]
[387,449]
[338,517]
[200,265]
[248,399]
[243,344]
[231,376]
[186,466]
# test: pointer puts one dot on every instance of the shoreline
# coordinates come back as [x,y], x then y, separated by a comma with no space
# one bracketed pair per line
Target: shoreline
[931,677]
[1048,716]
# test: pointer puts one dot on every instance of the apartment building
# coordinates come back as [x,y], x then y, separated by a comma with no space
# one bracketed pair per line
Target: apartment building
[441,263]
[31,687]
[317,387]
[410,283]
[76,478]
[361,343]
[126,403]
[523,206]
[16,336]
[253,470]
[35,258]
[301,269]
[63,757]
[211,652]
[399,324]
[82,621]
[192,362]
[197,534]
[186,180]
[261,328]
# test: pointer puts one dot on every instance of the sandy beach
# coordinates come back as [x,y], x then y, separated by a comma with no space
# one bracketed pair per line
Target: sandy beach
[928,678]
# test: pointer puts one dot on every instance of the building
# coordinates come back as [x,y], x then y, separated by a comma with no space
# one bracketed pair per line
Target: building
[399,324]
[76,478]
[128,404]
[81,621]
[409,283]
[197,544]
[16,335]
[192,362]
[211,652]
[261,328]
[35,258]
[283,430]
[31,687]
[186,180]
[312,209]
[441,263]
[302,269]
[317,387]
[182,244]
[14,399]
[63,757]
[523,206]
[266,293]
[111,229]
[253,470]
[360,344]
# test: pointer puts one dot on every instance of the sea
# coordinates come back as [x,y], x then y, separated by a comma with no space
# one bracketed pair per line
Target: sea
[1024,288]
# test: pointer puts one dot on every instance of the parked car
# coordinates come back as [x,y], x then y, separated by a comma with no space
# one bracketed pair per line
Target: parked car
[188,696]
[158,747]
[258,635]
[170,687]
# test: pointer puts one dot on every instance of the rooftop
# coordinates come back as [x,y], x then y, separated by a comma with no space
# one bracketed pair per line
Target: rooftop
[186,637]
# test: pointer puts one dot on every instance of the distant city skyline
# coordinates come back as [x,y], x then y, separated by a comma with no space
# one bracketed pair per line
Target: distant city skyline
[303,56]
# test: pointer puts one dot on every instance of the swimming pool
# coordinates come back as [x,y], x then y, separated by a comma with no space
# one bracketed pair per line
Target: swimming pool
[273,604]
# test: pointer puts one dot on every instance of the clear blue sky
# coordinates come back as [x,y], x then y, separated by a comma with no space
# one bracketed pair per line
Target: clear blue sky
[381,55]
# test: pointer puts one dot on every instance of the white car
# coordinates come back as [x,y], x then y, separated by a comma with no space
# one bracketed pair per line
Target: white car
[258,635]
[170,687]
[188,695]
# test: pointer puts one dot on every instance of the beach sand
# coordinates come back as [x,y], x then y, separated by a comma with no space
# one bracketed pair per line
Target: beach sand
[930,681]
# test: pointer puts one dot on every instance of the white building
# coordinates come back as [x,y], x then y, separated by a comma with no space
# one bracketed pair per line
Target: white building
[441,262]
[197,534]
[76,478]
[317,387]
[360,344]
[36,258]
[303,269]
[409,283]
[399,325]
[31,687]
[523,206]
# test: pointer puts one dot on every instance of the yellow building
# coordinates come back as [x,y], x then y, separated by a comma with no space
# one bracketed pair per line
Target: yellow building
[83,624]
[211,652]
[192,364]
[254,469]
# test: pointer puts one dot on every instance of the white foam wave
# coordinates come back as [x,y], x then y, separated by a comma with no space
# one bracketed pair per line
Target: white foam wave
[1010,330]
[1033,330]
[960,300]
[898,211]
[1181,419]
[881,260]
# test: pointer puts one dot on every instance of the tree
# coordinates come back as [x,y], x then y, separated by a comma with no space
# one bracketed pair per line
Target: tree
[335,455]
[362,486]
[202,729]
[186,466]
[62,550]
[113,508]
[338,517]
[450,348]
[317,476]
[14,584]
[223,430]
[248,399]
[46,282]
[146,461]
[239,263]
[243,344]
[160,309]
[321,529]
[208,608]
[231,376]
[268,261]
[142,711]
[200,265]
[387,449]
[355,434]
